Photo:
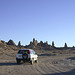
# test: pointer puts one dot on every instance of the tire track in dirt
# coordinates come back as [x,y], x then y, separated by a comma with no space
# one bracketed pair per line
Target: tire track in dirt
[54,69]
[48,67]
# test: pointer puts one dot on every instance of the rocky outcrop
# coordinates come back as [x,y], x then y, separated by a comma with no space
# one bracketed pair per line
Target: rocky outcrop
[10,45]
[65,46]
[53,44]
[35,42]
[0,41]
[35,45]
[41,43]
[44,45]
[3,42]
[19,44]
[11,42]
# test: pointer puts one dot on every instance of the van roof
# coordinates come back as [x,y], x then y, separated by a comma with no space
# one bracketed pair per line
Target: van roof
[25,49]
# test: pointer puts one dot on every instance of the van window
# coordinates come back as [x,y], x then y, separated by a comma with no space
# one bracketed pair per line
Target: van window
[23,51]
[32,52]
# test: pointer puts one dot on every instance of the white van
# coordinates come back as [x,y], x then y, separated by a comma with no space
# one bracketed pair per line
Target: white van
[26,55]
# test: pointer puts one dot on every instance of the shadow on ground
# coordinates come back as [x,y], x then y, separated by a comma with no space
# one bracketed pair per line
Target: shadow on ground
[13,63]
[72,72]
[47,54]
[8,64]
[72,58]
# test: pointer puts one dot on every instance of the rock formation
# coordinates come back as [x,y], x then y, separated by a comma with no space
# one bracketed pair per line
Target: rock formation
[11,42]
[3,42]
[0,41]
[35,42]
[65,45]
[53,44]
[10,45]
[19,44]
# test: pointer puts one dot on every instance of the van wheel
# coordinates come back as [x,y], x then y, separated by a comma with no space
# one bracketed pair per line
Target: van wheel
[32,62]
[24,61]
[18,61]
[36,61]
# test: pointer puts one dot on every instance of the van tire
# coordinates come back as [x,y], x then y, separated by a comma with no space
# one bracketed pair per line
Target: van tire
[32,62]
[18,61]
[36,61]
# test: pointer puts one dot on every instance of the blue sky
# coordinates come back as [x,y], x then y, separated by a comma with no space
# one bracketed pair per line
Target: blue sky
[46,20]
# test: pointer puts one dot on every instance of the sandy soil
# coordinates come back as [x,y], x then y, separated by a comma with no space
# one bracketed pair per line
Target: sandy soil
[50,63]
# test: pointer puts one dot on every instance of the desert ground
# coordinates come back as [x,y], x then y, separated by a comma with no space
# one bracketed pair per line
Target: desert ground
[50,62]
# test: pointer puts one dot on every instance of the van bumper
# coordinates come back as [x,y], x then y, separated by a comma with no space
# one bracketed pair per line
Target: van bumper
[24,59]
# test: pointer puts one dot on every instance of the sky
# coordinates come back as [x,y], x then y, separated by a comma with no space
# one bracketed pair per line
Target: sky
[44,20]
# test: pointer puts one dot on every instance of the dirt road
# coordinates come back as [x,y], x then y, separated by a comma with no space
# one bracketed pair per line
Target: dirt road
[47,65]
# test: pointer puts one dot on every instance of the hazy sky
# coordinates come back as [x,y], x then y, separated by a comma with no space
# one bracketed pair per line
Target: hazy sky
[46,20]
